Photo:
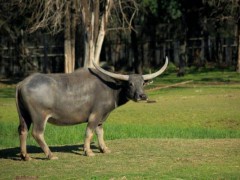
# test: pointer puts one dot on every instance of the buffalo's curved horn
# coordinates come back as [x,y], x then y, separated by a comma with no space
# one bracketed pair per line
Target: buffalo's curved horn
[113,75]
[153,75]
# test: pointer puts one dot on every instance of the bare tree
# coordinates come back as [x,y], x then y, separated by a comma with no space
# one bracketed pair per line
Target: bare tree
[95,26]
[56,16]
[92,15]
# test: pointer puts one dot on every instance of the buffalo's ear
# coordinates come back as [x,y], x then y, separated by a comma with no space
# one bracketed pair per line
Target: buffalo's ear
[120,82]
[147,82]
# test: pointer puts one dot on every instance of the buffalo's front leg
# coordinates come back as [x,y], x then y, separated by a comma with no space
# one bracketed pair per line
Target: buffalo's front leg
[87,142]
[102,146]
[92,124]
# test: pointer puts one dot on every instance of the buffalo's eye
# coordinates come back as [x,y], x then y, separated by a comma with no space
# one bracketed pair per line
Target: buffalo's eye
[131,84]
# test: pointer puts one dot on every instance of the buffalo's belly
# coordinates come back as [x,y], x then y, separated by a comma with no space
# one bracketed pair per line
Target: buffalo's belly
[62,120]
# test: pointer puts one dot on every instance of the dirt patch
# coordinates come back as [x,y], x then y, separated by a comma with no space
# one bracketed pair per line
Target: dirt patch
[231,124]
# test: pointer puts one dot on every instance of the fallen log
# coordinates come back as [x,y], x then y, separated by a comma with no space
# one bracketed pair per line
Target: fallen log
[165,87]
[169,86]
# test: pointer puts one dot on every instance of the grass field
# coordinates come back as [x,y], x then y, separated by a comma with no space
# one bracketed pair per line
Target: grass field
[191,132]
[132,159]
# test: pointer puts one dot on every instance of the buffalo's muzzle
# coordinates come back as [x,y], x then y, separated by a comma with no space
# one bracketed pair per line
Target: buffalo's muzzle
[142,97]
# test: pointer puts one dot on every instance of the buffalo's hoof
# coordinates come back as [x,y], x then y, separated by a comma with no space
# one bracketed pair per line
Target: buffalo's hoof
[105,150]
[89,153]
[51,157]
[26,157]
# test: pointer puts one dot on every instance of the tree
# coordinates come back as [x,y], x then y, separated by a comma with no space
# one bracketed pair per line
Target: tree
[70,34]
[57,16]
[238,35]
[162,20]
[227,11]
[12,28]
[96,19]
[91,15]
[94,25]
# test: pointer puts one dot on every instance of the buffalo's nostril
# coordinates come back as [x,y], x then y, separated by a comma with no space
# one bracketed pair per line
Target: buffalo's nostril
[143,96]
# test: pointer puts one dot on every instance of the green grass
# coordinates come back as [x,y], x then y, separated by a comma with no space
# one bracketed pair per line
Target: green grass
[206,109]
[192,111]
[191,132]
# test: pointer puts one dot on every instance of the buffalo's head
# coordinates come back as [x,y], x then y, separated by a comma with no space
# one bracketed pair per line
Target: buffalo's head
[134,82]
[134,87]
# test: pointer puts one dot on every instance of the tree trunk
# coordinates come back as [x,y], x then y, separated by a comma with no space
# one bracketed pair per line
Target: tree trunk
[69,38]
[219,49]
[137,62]
[238,36]
[182,57]
[73,33]
[93,32]
[102,31]
[79,51]
[45,50]
[89,43]
[89,18]
[152,45]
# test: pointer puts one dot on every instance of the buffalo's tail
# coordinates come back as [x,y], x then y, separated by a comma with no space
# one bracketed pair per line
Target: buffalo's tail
[24,123]
[24,116]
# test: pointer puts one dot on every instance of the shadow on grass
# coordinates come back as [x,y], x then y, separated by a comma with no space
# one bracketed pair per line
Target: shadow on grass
[14,153]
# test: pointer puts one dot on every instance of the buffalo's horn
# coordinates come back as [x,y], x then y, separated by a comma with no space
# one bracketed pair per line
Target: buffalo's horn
[153,75]
[126,77]
[113,75]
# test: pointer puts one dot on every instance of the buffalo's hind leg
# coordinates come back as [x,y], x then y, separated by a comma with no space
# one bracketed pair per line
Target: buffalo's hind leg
[23,129]
[38,134]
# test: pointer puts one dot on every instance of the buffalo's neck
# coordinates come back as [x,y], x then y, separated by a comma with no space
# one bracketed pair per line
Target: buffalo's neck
[118,88]
[122,98]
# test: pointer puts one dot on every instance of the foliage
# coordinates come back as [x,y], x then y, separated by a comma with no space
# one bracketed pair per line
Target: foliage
[222,14]
[153,22]
[8,20]
[151,5]
[171,8]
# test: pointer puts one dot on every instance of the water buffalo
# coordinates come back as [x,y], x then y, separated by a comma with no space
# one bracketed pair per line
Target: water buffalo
[86,95]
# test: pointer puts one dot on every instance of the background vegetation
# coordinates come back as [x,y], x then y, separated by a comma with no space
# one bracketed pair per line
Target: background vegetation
[138,34]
